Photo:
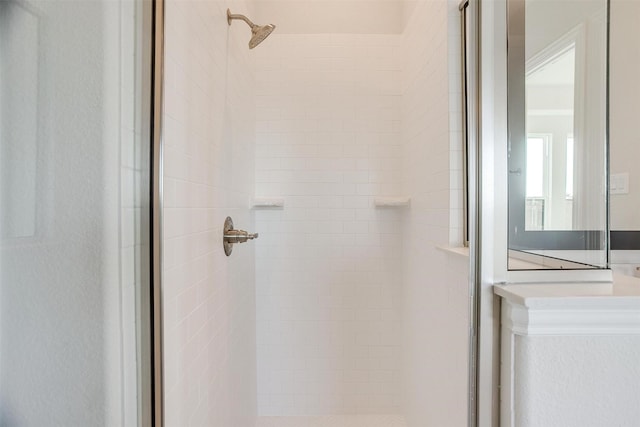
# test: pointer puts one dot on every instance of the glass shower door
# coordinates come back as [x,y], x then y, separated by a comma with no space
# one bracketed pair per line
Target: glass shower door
[73,203]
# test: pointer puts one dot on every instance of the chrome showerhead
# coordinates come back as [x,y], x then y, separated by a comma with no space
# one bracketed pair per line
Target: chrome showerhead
[259,32]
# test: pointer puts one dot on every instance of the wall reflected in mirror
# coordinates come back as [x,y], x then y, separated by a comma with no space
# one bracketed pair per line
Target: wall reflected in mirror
[625,115]
[624,136]
[557,102]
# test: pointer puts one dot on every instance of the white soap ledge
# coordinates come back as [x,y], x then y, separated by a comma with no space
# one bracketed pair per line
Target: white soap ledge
[268,202]
[462,251]
[392,202]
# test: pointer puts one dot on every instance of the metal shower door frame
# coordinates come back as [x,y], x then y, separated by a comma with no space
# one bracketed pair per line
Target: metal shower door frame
[157,83]
[482,392]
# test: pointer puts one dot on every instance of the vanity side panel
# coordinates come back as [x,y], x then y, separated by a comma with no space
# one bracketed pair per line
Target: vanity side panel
[579,381]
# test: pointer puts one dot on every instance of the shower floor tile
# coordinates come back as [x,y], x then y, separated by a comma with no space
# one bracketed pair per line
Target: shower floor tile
[334,421]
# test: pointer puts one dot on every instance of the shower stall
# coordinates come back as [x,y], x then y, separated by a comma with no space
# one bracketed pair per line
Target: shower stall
[139,139]
[338,140]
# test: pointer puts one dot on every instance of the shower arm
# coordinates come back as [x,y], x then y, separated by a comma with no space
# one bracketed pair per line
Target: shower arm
[232,16]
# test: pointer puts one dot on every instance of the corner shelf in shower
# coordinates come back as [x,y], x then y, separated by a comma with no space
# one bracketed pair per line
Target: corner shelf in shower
[392,202]
[268,203]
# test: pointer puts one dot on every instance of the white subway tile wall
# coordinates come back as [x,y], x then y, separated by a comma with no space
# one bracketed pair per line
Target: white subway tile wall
[209,299]
[435,292]
[328,268]
[334,421]
[456,231]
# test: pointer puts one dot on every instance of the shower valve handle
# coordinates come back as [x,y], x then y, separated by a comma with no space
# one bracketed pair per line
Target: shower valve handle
[239,236]
[231,236]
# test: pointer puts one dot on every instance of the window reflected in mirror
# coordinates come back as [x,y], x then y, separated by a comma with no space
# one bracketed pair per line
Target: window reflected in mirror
[538,190]
[550,99]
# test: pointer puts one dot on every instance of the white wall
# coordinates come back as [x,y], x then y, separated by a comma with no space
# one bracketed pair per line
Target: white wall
[434,298]
[332,16]
[209,299]
[624,104]
[579,381]
[329,263]
[68,255]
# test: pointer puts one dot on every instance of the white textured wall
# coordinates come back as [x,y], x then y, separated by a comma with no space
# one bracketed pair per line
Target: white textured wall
[328,264]
[67,266]
[434,298]
[209,299]
[588,381]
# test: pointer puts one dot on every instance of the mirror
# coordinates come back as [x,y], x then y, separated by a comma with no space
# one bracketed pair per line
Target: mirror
[624,107]
[557,103]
